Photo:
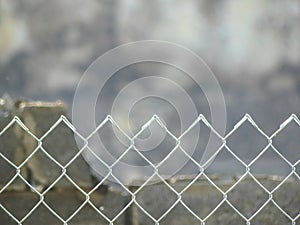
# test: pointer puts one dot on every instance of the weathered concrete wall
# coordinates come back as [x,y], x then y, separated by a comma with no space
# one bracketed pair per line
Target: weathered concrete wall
[64,202]
[17,145]
[59,143]
[64,199]
[40,172]
[11,147]
[202,198]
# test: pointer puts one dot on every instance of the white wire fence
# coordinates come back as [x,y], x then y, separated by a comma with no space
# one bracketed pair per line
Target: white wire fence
[292,218]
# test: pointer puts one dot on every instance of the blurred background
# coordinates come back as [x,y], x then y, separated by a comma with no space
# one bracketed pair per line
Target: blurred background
[252,46]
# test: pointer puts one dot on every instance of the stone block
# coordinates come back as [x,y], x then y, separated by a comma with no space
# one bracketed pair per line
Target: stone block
[12,148]
[60,144]
[64,203]
[202,198]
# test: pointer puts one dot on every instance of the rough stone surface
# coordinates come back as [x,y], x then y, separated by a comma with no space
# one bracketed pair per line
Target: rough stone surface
[12,148]
[59,143]
[202,198]
[64,203]
[64,199]
[16,144]
[252,46]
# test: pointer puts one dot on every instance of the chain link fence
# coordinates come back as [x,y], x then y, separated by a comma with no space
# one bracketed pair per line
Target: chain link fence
[291,215]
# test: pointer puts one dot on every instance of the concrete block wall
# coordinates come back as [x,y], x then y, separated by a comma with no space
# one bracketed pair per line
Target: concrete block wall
[41,172]
[63,198]
[202,198]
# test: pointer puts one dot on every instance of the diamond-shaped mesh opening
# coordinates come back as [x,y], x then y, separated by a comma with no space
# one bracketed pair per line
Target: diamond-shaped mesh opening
[202,193]
[43,170]
[99,180]
[19,204]
[70,197]
[225,166]
[42,215]
[264,165]
[79,172]
[177,216]
[127,173]
[200,142]
[247,142]
[8,139]
[247,196]
[224,215]
[88,215]
[6,219]
[287,142]
[16,146]
[98,167]
[197,132]
[143,217]
[108,144]
[154,142]
[126,216]
[109,203]
[96,196]
[156,199]
[15,183]
[287,196]
[113,139]
[60,143]
[13,141]
[270,214]
[176,163]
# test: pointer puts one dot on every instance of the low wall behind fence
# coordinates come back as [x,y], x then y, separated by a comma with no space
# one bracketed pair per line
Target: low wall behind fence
[45,180]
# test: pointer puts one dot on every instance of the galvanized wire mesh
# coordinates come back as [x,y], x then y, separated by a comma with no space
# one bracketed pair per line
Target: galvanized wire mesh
[133,193]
